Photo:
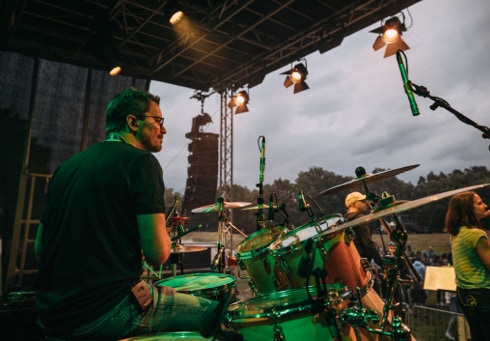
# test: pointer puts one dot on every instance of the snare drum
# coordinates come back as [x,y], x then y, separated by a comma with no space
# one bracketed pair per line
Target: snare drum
[284,315]
[253,255]
[289,249]
[207,285]
[172,336]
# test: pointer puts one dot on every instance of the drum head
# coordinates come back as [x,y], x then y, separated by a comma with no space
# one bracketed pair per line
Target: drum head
[302,233]
[196,282]
[279,304]
[260,239]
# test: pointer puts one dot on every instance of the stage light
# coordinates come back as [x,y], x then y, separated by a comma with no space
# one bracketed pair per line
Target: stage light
[240,101]
[115,69]
[176,17]
[390,34]
[297,76]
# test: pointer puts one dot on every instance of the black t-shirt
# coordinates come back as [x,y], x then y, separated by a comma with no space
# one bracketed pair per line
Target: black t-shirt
[91,251]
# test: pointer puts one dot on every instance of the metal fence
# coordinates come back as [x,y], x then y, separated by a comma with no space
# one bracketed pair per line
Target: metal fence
[431,324]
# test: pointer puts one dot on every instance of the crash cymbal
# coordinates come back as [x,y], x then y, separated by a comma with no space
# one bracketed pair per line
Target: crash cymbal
[256,207]
[368,178]
[215,207]
[405,206]
[187,248]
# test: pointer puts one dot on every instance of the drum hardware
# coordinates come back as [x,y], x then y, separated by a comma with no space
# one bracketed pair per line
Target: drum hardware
[364,178]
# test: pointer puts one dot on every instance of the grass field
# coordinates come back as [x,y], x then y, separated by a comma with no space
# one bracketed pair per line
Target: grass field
[421,242]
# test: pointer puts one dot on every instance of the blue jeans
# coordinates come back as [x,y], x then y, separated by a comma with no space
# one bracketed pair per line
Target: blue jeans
[170,311]
[476,308]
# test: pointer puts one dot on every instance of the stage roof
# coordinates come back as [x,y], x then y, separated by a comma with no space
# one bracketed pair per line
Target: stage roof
[224,44]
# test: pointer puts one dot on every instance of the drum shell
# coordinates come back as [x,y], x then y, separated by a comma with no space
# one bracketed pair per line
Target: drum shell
[257,318]
[289,249]
[254,256]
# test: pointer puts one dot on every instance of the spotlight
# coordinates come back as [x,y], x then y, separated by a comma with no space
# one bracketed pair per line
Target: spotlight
[115,69]
[176,17]
[297,76]
[390,34]
[240,101]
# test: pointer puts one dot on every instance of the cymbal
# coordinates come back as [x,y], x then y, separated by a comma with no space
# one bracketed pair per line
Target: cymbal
[188,248]
[215,207]
[368,178]
[256,207]
[405,206]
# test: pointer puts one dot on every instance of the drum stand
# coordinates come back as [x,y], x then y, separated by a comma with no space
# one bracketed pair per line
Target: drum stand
[224,226]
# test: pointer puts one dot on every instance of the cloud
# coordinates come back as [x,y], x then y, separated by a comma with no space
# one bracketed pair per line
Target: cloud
[356,112]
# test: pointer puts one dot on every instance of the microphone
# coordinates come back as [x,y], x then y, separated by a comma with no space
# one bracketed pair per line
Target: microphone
[270,211]
[303,206]
[262,160]
[214,264]
[304,266]
[407,85]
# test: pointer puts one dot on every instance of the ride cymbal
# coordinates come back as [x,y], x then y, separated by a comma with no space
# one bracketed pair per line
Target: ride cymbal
[216,207]
[405,206]
[368,178]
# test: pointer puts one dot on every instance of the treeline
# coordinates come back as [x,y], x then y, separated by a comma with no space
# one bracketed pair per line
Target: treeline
[427,218]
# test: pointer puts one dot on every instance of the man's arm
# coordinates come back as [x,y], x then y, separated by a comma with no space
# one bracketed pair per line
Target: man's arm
[155,240]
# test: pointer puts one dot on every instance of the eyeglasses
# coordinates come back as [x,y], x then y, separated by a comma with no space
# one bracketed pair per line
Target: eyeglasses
[157,119]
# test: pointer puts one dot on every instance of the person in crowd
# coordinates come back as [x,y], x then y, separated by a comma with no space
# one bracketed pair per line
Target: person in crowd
[104,213]
[357,206]
[451,300]
[471,260]
[431,256]
[418,294]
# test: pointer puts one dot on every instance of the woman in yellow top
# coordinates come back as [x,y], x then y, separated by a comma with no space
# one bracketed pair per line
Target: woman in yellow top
[471,257]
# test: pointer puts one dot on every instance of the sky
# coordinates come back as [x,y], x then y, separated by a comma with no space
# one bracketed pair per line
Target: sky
[356,112]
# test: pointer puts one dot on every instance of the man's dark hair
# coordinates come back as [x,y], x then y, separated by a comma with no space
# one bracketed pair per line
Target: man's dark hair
[128,102]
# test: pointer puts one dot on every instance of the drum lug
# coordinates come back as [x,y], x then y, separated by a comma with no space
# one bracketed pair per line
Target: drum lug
[278,333]
[241,264]
[252,285]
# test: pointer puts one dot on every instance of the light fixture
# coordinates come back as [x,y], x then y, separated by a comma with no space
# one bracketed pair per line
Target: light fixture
[297,76]
[115,69]
[176,17]
[390,34]
[240,101]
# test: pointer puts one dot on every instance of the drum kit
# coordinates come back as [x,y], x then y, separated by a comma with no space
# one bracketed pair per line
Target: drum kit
[310,281]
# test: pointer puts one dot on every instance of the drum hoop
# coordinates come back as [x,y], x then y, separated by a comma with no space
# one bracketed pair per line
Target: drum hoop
[295,245]
[259,250]
[284,310]
[166,281]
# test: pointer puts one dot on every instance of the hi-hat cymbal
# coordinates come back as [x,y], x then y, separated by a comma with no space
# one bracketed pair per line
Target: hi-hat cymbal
[408,205]
[187,248]
[215,207]
[256,207]
[368,178]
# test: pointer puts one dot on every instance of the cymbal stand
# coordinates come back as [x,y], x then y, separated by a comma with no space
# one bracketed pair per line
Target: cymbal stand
[224,225]
[176,259]
[260,199]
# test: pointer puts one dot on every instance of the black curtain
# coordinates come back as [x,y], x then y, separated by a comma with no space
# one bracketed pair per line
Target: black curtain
[54,101]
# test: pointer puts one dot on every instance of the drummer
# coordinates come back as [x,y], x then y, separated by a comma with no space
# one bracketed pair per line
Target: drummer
[357,206]
[105,207]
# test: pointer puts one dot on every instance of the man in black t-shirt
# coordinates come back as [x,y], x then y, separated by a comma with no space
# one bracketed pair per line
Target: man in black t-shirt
[105,211]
